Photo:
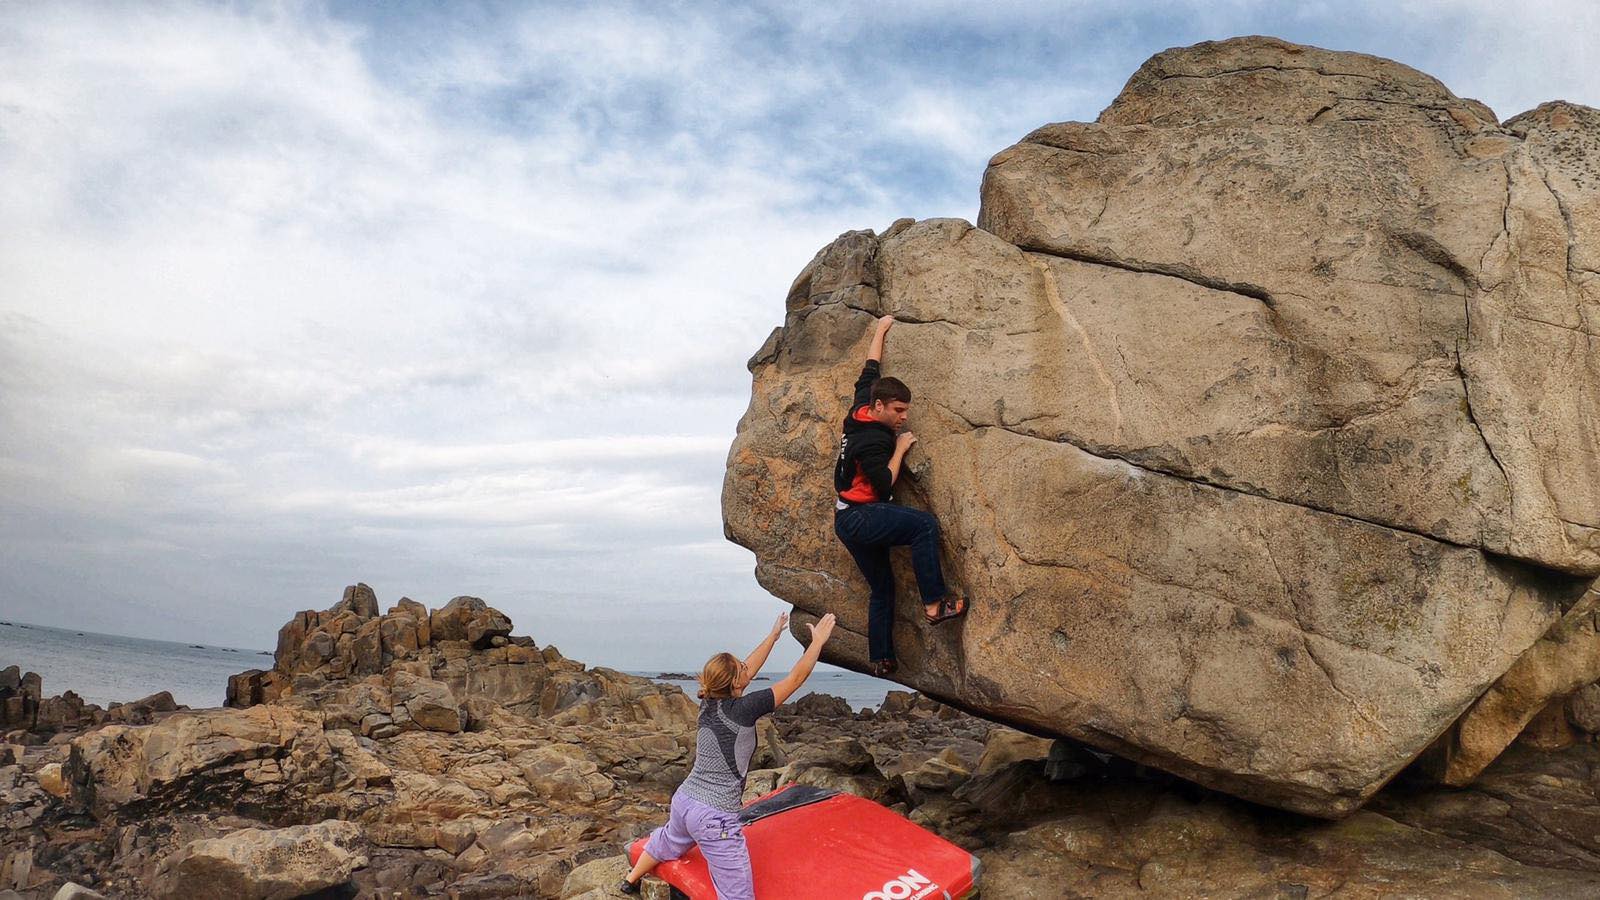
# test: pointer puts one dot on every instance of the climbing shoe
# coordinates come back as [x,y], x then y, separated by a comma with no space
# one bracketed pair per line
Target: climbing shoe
[950,607]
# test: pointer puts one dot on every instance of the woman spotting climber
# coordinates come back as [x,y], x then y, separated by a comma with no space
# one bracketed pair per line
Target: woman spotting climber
[705,808]
[871,452]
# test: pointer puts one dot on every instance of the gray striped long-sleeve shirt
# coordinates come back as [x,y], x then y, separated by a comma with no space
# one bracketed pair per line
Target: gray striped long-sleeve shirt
[726,741]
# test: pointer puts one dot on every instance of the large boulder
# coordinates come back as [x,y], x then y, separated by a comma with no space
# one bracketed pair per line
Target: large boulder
[358,599]
[264,864]
[253,686]
[425,704]
[19,698]
[67,712]
[145,710]
[268,758]
[1258,414]
[469,619]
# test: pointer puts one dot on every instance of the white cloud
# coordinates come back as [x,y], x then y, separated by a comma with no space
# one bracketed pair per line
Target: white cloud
[458,299]
[414,456]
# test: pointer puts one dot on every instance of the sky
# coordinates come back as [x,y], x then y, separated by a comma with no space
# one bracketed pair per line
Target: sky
[456,299]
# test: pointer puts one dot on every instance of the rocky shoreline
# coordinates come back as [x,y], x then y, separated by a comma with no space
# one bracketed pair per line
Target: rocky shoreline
[449,758]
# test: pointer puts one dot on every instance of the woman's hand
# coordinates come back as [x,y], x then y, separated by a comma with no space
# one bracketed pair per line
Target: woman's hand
[822,629]
[885,323]
[777,627]
[788,684]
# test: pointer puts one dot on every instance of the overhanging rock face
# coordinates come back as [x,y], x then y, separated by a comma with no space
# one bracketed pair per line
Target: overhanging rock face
[1262,416]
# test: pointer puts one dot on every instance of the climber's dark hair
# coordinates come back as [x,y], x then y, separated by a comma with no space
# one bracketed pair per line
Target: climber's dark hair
[889,389]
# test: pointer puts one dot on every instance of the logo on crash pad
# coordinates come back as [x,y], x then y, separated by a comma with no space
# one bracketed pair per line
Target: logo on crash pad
[913,885]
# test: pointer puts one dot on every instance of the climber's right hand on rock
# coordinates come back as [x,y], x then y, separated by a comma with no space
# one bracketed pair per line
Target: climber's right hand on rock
[885,323]
[904,440]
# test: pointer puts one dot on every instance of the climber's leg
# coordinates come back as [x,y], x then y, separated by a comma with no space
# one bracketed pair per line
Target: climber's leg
[874,564]
[857,528]
[889,524]
[924,540]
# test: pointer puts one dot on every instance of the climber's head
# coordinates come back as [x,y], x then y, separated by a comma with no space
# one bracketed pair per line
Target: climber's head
[723,676]
[891,400]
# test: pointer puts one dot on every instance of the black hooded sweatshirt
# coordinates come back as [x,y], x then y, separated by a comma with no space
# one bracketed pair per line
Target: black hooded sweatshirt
[861,473]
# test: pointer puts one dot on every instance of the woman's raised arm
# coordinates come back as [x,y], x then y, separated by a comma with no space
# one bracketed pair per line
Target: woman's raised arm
[758,656]
[797,676]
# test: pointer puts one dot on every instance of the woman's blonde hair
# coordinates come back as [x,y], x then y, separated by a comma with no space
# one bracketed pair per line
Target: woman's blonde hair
[720,676]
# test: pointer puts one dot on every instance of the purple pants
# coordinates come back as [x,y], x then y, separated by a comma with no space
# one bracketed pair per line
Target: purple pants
[721,839]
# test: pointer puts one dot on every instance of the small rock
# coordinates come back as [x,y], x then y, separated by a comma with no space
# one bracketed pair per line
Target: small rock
[454,837]
[897,703]
[18,872]
[1069,760]
[51,780]
[601,875]
[144,710]
[823,706]
[1583,709]
[427,703]
[1006,746]
[358,599]
[761,782]
[73,891]
[262,864]
[471,857]
[845,755]
[941,773]
[469,619]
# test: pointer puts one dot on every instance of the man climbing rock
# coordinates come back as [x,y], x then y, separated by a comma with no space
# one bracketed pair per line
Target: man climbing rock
[871,453]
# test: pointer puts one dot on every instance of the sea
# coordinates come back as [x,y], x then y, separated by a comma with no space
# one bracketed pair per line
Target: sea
[108,668]
[860,691]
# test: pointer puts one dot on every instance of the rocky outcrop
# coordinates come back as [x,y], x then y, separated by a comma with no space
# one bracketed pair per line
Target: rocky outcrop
[19,699]
[1125,836]
[1258,415]
[282,797]
[472,758]
[28,717]
[411,669]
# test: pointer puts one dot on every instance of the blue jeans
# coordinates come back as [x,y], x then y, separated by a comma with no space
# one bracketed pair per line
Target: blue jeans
[868,530]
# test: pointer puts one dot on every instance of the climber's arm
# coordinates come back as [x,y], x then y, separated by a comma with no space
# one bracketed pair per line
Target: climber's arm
[758,656]
[863,396]
[872,369]
[875,354]
[902,446]
[881,469]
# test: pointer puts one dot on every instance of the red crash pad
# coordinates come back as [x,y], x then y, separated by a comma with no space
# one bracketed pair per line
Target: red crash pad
[809,844]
